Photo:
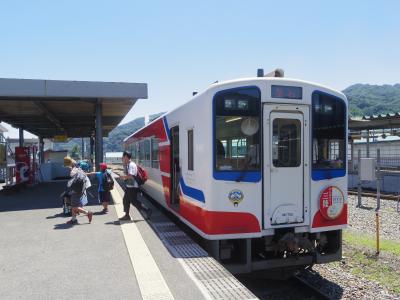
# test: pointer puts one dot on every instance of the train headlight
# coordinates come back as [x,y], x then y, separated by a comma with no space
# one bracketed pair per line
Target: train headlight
[331,202]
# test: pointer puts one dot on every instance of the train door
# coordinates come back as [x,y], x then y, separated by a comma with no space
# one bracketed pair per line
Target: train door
[175,166]
[284,164]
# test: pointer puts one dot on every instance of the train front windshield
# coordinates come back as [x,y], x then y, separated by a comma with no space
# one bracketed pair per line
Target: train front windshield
[329,132]
[237,130]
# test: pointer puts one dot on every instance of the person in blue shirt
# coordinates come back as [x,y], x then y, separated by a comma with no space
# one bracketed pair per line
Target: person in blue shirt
[104,196]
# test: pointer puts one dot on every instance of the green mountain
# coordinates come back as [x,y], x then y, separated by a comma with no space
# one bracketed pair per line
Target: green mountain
[367,99]
[114,141]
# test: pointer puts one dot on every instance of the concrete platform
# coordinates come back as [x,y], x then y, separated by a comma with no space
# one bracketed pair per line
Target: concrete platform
[43,258]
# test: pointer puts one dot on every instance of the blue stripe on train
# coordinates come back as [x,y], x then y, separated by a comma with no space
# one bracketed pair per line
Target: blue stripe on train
[167,128]
[327,174]
[192,192]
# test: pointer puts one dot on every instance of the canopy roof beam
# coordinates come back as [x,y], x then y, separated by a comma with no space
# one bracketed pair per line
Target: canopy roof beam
[49,115]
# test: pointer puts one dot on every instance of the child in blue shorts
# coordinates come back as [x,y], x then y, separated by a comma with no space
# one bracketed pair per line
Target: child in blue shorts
[104,196]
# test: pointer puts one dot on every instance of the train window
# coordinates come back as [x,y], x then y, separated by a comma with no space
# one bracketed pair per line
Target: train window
[286,143]
[154,153]
[329,132]
[134,151]
[147,150]
[190,150]
[141,152]
[237,130]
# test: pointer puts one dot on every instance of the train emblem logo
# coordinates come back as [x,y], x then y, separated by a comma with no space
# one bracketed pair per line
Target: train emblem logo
[331,202]
[236,196]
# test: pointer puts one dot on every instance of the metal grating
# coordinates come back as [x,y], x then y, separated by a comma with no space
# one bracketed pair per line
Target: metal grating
[215,280]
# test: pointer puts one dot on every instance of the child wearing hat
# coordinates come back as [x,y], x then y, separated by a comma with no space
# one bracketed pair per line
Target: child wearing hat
[104,195]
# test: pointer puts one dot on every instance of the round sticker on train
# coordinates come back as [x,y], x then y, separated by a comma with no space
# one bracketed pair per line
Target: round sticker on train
[236,196]
[331,202]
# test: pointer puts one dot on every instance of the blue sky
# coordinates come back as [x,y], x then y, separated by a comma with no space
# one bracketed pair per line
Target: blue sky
[180,46]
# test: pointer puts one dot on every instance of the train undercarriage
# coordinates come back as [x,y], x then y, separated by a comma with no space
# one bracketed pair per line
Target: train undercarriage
[282,254]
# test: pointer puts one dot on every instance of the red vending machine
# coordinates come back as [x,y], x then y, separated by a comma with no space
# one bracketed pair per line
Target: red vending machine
[23,164]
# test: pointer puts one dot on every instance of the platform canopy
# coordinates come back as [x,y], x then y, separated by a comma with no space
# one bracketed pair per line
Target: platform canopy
[49,108]
[383,121]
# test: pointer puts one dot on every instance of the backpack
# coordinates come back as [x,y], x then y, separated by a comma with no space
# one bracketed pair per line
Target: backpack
[77,184]
[108,182]
[141,176]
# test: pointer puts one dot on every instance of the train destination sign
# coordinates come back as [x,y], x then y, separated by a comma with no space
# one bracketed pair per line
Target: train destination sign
[286,92]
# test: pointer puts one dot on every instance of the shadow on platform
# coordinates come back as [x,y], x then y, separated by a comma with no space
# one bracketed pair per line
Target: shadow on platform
[42,196]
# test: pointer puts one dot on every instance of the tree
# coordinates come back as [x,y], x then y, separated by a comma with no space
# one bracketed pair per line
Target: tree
[75,152]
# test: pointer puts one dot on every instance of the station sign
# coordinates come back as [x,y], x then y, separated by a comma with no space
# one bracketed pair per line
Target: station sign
[60,138]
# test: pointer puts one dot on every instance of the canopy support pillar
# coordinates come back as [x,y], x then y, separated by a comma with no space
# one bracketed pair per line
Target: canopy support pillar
[99,134]
[21,137]
[41,150]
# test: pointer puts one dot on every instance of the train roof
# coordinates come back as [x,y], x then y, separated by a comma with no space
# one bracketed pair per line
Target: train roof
[245,81]
[252,80]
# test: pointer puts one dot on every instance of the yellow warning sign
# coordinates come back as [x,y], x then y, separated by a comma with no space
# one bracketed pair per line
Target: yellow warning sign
[60,138]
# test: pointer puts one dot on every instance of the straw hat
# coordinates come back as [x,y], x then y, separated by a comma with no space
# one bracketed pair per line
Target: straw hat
[69,162]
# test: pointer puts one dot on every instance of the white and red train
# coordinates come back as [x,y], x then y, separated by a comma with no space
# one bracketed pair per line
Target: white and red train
[257,167]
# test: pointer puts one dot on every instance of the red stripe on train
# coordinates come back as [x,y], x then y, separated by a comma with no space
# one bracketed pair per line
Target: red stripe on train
[218,222]
[320,221]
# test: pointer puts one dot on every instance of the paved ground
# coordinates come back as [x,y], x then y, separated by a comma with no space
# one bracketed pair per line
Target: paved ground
[180,284]
[42,258]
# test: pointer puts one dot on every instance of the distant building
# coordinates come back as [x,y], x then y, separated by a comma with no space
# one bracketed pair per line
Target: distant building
[28,142]
[113,158]
[389,150]
[55,156]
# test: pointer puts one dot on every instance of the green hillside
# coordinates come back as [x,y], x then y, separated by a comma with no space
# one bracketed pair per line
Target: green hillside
[113,143]
[366,99]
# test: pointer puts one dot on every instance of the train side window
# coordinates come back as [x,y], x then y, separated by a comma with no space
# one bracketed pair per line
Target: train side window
[329,132]
[147,151]
[190,150]
[141,152]
[133,151]
[237,130]
[154,153]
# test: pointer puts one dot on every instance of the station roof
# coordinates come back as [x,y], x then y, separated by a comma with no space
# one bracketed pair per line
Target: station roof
[384,121]
[48,108]
[3,129]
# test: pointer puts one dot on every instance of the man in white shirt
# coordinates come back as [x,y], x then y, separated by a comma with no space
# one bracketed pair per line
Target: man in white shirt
[131,188]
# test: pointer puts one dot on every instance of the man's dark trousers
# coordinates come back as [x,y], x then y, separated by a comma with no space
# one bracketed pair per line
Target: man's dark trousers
[131,197]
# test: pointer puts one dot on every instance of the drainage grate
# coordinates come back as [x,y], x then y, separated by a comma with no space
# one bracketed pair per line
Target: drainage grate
[214,279]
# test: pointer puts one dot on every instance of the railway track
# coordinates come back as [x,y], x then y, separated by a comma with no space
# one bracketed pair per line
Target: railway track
[373,195]
[318,293]
[265,289]
[294,288]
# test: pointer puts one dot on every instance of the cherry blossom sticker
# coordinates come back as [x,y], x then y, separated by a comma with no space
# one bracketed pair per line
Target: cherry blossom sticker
[331,202]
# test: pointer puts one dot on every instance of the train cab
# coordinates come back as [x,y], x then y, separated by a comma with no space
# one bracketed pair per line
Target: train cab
[257,167]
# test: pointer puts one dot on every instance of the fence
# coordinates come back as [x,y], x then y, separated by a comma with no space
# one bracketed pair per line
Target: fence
[390,154]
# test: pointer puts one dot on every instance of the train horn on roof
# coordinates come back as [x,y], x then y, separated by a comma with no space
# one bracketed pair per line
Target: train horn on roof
[275,73]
